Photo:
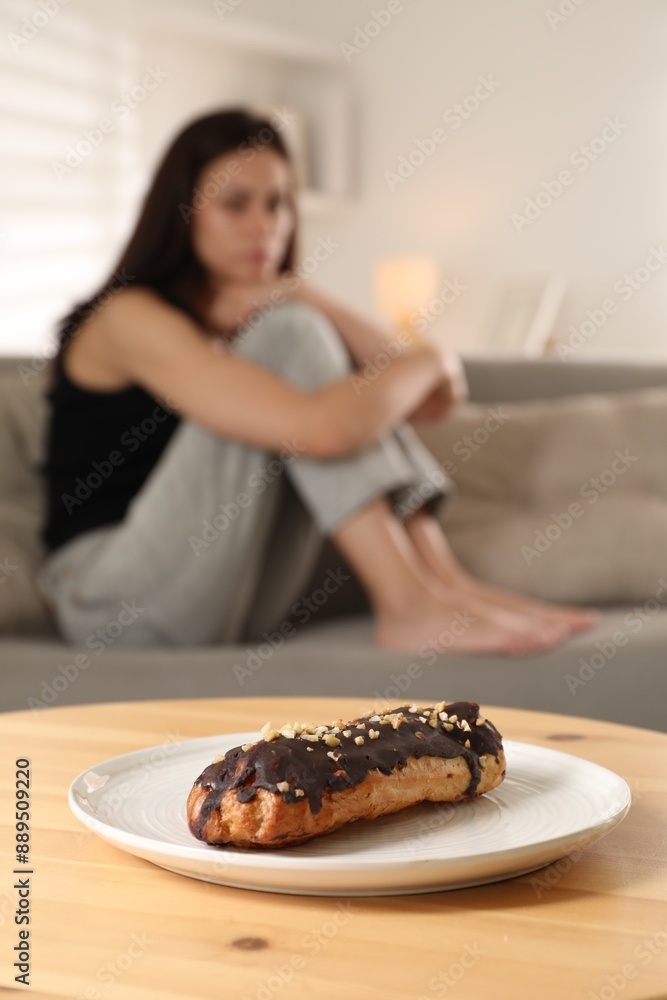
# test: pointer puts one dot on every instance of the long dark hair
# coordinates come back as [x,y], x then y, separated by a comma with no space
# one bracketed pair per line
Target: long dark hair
[159,252]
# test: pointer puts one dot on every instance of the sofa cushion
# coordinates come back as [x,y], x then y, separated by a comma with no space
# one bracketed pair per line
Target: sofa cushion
[564,499]
[22,420]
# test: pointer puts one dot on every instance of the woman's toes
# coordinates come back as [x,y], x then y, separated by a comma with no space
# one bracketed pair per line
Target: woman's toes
[579,619]
[484,634]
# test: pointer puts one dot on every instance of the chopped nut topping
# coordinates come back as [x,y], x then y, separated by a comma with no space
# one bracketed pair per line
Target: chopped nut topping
[453,718]
[310,750]
[269,732]
[433,723]
[374,718]
[359,740]
[443,716]
[448,726]
[360,725]
[347,732]
[299,792]
[221,756]
[480,721]
[396,719]
[467,743]
[333,754]
[420,736]
[311,737]
[413,708]
[283,786]
[330,740]
[373,734]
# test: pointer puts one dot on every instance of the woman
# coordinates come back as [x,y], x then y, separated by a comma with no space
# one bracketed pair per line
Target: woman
[208,431]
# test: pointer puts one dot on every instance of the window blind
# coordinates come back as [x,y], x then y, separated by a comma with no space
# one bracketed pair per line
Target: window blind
[67,181]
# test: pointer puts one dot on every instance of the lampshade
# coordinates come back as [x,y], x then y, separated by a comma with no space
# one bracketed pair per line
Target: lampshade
[402,285]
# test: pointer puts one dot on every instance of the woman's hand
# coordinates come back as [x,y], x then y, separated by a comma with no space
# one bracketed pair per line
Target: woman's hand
[434,407]
[449,394]
[367,341]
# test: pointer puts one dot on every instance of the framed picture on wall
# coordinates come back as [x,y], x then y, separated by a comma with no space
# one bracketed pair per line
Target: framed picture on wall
[526,313]
[293,129]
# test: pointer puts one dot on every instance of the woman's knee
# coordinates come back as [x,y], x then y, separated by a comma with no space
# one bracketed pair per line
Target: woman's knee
[299,341]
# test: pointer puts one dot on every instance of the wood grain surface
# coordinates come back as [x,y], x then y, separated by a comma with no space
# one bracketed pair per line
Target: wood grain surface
[105,924]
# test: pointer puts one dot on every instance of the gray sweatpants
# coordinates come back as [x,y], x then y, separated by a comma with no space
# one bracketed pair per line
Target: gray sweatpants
[222,536]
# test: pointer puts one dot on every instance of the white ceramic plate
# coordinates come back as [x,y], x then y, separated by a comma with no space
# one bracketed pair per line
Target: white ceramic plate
[549,805]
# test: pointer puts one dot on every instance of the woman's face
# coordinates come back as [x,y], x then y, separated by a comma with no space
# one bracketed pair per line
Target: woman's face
[241,230]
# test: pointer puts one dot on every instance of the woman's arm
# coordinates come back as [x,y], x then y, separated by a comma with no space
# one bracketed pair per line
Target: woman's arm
[160,347]
[364,338]
[370,406]
[368,342]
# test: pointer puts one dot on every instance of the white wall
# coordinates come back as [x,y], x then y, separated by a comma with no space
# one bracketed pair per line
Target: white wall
[556,87]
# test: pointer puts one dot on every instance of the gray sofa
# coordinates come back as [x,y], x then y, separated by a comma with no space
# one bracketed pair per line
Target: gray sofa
[333,653]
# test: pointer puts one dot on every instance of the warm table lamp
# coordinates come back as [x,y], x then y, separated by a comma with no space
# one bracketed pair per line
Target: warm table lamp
[402,285]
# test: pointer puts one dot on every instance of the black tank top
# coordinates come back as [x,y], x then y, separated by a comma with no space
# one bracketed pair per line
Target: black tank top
[100,448]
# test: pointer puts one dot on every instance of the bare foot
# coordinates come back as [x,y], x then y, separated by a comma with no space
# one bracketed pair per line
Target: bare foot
[445,620]
[578,619]
[436,553]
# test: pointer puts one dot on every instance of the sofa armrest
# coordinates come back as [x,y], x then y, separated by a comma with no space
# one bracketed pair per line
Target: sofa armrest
[499,379]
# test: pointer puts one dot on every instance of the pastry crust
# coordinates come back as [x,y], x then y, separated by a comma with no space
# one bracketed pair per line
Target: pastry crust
[276,818]
[267,821]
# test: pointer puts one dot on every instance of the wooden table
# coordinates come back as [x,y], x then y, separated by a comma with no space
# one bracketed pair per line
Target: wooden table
[105,924]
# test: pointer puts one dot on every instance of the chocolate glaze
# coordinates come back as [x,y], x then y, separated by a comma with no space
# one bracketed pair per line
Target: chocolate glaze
[288,759]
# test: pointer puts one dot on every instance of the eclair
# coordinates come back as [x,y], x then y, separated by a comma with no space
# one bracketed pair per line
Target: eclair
[305,780]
